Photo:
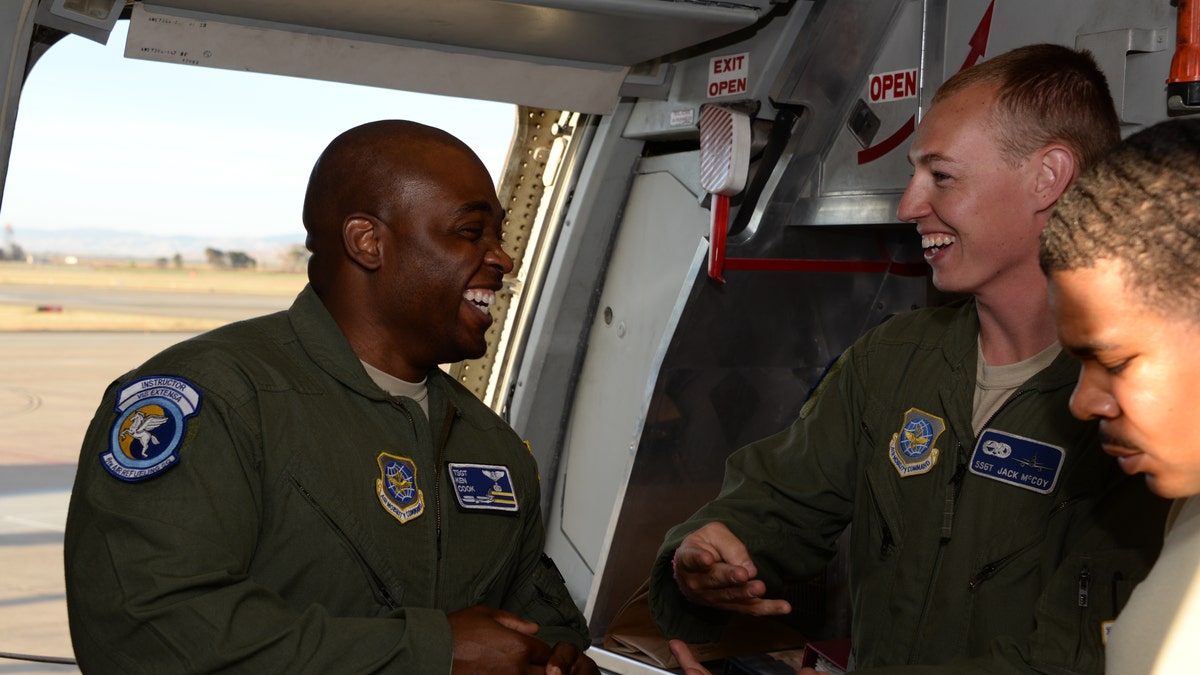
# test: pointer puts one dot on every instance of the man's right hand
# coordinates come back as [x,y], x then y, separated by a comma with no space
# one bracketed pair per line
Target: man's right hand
[713,569]
[488,640]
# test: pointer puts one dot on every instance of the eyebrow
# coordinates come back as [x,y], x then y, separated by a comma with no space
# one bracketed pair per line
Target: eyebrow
[474,207]
[929,158]
[484,207]
[1088,350]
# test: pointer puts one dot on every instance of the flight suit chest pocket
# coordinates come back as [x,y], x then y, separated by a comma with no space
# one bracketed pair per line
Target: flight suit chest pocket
[879,527]
[342,572]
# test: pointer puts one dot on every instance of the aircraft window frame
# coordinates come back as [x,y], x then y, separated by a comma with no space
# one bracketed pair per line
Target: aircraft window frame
[62,399]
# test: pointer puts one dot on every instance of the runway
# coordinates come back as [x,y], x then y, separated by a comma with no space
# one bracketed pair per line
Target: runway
[50,386]
[145,302]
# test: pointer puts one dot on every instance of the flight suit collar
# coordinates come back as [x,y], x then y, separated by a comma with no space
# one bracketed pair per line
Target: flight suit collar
[960,348]
[322,339]
[963,351]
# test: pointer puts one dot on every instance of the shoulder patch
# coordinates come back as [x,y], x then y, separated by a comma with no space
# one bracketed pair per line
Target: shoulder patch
[151,421]
[483,487]
[1017,460]
[912,448]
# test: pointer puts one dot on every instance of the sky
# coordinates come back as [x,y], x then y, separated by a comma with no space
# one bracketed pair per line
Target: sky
[109,143]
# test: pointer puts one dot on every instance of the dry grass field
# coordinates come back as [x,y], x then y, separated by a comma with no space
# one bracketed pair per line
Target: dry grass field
[153,278]
[24,317]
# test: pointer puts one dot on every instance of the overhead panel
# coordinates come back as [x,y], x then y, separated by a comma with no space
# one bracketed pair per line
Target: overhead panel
[561,54]
[203,40]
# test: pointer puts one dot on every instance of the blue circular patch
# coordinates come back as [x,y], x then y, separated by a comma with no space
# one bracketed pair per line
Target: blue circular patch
[151,420]
[147,433]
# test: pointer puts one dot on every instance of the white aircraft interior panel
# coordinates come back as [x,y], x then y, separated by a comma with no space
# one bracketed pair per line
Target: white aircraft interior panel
[615,32]
[650,265]
[428,68]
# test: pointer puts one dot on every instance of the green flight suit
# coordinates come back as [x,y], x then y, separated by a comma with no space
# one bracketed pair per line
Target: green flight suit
[300,520]
[948,564]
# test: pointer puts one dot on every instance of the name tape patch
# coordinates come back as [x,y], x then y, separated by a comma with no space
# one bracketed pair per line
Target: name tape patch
[151,421]
[1017,460]
[483,486]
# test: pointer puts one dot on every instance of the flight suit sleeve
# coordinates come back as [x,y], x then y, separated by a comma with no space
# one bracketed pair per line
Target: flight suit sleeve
[540,594]
[787,498]
[157,570]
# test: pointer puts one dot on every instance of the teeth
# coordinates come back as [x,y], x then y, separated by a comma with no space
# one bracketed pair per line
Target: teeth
[480,297]
[936,240]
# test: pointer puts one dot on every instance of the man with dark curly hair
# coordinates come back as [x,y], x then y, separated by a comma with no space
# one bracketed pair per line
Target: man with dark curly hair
[1122,253]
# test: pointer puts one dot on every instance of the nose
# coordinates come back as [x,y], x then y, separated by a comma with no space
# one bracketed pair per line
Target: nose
[1092,398]
[498,258]
[913,203]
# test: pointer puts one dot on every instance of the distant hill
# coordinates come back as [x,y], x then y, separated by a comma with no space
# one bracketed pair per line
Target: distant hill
[269,250]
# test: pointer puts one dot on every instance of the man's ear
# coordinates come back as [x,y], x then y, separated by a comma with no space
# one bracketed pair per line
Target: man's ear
[360,237]
[1056,170]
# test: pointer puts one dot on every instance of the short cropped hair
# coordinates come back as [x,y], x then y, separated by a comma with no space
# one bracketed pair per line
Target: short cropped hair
[1140,206]
[1046,94]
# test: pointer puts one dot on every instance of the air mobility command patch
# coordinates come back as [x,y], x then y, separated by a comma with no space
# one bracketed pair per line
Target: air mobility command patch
[397,488]
[911,448]
[483,486]
[1017,460]
[152,417]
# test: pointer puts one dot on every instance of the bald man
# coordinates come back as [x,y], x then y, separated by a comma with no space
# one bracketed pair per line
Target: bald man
[307,491]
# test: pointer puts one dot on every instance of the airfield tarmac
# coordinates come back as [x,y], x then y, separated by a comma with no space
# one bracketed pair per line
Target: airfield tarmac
[51,379]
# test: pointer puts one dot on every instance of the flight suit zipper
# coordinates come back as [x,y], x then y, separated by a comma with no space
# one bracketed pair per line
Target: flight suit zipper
[437,490]
[382,593]
[886,541]
[989,570]
[1085,585]
[956,481]
[451,412]
[963,461]
[948,513]
[952,492]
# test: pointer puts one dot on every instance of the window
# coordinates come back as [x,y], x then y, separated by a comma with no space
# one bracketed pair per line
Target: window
[137,195]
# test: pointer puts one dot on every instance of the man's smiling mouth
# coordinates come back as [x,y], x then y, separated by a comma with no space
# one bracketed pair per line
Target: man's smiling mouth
[481,298]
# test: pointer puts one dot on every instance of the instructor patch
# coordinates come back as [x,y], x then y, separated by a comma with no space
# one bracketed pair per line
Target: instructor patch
[1016,460]
[483,486]
[397,488]
[911,448]
[152,417]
